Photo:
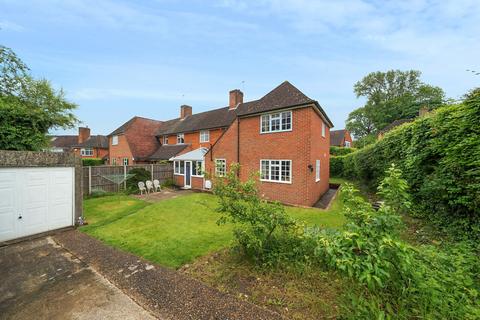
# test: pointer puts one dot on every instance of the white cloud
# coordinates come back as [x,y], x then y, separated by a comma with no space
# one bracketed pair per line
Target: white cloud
[10,26]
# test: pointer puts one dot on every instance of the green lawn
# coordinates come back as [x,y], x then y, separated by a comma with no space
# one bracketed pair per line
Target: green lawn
[174,232]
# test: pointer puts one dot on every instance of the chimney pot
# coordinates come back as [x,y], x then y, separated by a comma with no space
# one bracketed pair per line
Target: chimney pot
[83,134]
[236,97]
[185,111]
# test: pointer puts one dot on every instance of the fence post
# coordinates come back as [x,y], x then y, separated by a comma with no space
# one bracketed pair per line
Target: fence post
[89,180]
[151,170]
[124,177]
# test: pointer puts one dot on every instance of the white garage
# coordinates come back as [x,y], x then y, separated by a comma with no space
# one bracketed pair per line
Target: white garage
[35,200]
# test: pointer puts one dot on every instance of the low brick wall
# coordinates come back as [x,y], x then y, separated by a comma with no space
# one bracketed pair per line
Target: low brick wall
[32,159]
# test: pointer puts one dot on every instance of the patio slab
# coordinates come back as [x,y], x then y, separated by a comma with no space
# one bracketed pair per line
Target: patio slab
[163,195]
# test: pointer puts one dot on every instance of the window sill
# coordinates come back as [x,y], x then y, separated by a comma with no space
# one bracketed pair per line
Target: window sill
[277,131]
[273,181]
[179,174]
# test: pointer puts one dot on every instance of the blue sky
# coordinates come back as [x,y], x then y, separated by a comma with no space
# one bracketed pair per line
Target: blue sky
[117,59]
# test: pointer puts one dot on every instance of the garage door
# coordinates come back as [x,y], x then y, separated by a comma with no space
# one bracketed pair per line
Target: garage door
[34,200]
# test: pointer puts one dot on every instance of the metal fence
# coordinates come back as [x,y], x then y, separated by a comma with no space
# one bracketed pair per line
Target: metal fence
[113,178]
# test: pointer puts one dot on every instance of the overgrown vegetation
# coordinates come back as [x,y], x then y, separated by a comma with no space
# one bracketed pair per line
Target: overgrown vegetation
[439,155]
[391,277]
[340,151]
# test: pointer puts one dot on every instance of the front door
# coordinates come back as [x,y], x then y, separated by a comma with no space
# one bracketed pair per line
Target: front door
[188,174]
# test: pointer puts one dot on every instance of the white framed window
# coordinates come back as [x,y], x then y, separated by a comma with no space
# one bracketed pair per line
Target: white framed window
[323,129]
[114,161]
[180,138]
[204,136]
[86,152]
[317,171]
[165,140]
[276,171]
[220,167]
[125,161]
[114,140]
[276,122]
[347,144]
[197,168]
[179,168]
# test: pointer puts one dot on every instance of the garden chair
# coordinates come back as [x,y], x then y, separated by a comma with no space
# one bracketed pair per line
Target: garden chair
[156,185]
[149,186]
[142,188]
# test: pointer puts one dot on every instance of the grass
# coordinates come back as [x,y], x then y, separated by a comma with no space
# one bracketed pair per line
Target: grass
[175,231]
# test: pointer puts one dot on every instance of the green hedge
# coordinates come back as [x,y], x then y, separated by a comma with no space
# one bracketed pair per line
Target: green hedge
[440,157]
[92,162]
[336,166]
[339,151]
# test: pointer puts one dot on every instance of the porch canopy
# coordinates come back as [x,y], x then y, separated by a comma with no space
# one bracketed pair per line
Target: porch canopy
[194,155]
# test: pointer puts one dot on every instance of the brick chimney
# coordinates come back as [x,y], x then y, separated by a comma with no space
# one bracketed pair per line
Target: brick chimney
[236,97]
[83,134]
[185,111]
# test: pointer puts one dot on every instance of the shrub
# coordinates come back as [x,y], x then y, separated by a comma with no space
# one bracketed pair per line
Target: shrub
[339,151]
[395,279]
[92,162]
[439,155]
[139,174]
[98,193]
[336,166]
[262,229]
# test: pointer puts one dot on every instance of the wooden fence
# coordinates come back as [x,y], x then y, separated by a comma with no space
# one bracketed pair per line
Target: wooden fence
[106,178]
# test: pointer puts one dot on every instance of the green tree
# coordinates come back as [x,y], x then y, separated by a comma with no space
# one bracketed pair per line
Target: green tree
[391,95]
[29,108]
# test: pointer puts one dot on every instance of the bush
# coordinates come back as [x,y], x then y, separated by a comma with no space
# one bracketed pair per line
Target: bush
[439,155]
[92,162]
[395,279]
[263,230]
[139,174]
[339,151]
[98,193]
[336,166]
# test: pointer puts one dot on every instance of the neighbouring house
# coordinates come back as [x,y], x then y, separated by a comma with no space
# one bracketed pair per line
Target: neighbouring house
[391,126]
[340,138]
[134,141]
[284,136]
[83,144]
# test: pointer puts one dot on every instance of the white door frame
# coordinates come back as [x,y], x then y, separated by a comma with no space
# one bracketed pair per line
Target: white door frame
[189,174]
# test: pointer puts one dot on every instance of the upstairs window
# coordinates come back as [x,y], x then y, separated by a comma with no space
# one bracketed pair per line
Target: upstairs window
[114,140]
[165,140]
[180,138]
[220,167]
[323,129]
[204,136]
[88,152]
[276,171]
[276,122]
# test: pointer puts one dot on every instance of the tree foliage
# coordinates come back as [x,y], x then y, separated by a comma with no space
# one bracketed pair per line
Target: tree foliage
[439,155]
[29,108]
[391,95]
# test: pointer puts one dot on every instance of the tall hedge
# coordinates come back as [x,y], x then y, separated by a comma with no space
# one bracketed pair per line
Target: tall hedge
[92,162]
[340,151]
[440,157]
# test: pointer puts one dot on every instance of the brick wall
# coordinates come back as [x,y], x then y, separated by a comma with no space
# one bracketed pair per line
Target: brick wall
[193,138]
[120,151]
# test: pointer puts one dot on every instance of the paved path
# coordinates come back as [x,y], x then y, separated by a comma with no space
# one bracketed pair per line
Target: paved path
[41,280]
[164,292]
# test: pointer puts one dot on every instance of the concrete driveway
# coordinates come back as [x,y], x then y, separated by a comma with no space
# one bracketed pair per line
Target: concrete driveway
[41,280]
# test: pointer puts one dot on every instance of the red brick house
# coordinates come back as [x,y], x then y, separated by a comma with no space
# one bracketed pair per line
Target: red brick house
[284,135]
[83,144]
[340,138]
[133,141]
